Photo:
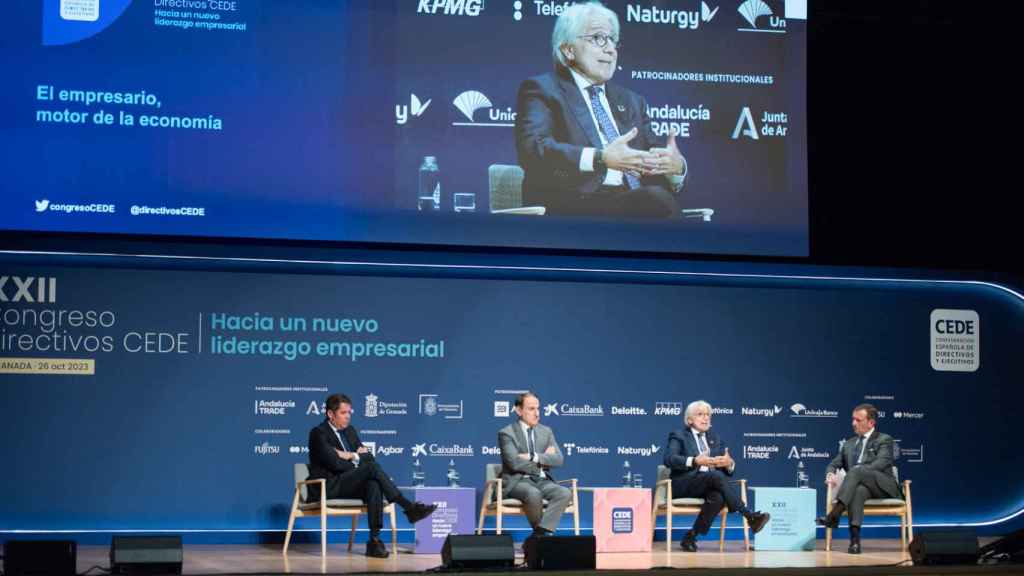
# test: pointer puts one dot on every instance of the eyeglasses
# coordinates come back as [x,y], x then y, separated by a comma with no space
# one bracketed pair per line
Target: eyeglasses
[602,40]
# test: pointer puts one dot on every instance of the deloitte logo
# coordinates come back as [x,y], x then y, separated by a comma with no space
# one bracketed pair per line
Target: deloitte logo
[573,410]
[628,411]
[490,451]
[800,411]
[766,412]
[472,100]
[450,7]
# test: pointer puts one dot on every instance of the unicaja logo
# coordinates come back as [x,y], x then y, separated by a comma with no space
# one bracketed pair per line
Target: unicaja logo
[470,101]
[751,10]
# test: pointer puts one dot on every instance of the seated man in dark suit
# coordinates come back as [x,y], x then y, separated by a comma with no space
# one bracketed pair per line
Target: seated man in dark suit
[701,468]
[337,454]
[867,458]
[586,146]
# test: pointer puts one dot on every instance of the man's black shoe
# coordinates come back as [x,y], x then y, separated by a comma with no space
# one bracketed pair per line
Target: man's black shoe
[542,531]
[375,548]
[418,511]
[688,544]
[757,521]
[827,522]
[854,548]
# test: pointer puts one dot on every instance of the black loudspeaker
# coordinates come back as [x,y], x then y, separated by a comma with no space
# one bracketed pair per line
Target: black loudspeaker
[30,557]
[146,555]
[1009,548]
[945,547]
[478,551]
[561,552]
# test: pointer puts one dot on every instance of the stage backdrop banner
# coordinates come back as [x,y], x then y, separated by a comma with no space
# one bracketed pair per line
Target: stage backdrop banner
[179,400]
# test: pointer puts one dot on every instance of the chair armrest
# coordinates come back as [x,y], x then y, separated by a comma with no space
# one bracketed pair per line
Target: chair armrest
[572,481]
[320,481]
[525,210]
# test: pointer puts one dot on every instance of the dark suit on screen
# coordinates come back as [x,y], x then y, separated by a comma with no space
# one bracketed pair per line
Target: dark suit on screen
[554,125]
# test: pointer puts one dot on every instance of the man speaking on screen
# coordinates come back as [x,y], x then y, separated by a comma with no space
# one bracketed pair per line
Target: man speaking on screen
[585,144]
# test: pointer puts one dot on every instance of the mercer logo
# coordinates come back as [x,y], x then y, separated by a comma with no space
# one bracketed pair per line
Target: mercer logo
[33,289]
[451,7]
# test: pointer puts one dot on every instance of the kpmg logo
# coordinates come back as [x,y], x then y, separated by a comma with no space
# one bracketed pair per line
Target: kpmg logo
[628,411]
[622,520]
[272,407]
[766,412]
[451,7]
[752,10]
[415,108]
[572,448]
[759,451]
[430,406]
[668,408]
[800,411]
[566,409]
[472,100]
[641,451]
[682,19]
[266,449]
[502,409]
[31,289]
[802,452]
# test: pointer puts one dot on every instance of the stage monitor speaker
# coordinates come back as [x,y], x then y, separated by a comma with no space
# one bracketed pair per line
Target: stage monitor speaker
[478,551]
[1009,548]
[146,555]
[945,547]
[49,557]
[561,552]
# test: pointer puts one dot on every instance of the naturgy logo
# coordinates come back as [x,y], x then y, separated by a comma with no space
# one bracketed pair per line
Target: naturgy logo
[34,289]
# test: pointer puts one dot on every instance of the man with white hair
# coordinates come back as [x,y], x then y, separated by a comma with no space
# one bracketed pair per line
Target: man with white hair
[586,145]
[701,467]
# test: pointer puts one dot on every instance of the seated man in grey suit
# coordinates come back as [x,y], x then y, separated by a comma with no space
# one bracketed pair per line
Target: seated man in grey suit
[867,458]
[528,452]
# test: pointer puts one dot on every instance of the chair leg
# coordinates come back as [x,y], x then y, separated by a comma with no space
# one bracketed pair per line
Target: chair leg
[903,531]
[498,519]
[668,528]
[394,531]
[291,522]
[576,520]
[828,539]
[721,530]
[323,531]
[352,532]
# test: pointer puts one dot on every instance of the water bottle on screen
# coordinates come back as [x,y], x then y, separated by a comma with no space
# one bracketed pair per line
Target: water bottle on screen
[627,475]
[802,479]
[453,475]
[429,192]
[418,476]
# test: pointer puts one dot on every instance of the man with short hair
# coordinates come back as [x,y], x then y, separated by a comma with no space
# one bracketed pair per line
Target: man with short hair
[337,454]
[528,452]
[586,145]
[700,467]
[867,458]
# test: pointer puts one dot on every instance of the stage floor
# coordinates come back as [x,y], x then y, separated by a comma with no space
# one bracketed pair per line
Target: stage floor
[305,558]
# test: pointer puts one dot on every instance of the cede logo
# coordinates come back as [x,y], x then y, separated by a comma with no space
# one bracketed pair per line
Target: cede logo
[955,340]
[622,520]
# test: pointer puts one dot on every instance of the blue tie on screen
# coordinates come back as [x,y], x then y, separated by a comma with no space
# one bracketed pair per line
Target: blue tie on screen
[608,127]
[703,444]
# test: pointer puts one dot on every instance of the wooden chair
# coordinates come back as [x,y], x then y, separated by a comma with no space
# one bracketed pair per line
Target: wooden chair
[882,507]
[667,506]
[494,505]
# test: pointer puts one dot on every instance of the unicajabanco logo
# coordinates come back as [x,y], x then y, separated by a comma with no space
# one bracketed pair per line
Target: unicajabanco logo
[753,10]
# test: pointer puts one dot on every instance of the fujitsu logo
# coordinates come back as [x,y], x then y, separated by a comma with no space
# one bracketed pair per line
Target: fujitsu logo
[33,289]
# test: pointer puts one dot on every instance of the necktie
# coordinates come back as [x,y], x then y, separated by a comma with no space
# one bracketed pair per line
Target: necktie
[604,121]
[341,437]
[533,447]
[859,448]
[703,444]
